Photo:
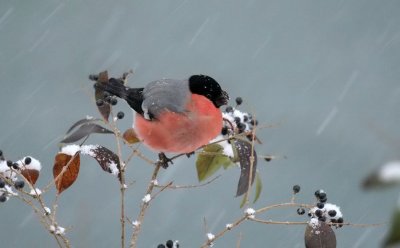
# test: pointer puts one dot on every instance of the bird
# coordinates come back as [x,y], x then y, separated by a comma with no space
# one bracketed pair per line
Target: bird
[173,116]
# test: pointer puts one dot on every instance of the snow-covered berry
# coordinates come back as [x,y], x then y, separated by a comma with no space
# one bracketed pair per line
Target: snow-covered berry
[27,160]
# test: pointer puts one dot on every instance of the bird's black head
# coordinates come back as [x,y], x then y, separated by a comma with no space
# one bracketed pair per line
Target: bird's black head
[208,87]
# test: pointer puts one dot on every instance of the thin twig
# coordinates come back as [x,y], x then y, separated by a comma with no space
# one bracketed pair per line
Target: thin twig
[144,207]
[171,186]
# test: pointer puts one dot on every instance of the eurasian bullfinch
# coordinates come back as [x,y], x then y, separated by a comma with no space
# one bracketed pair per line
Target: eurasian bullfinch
[175,116]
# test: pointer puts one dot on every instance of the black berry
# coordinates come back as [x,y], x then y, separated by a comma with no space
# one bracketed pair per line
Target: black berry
[113,101]
[161,246]
[15,166]
[120,115]
[320,205]
[9,163]
[28,160]
[323,218]
[332,213]
[340,221]
[3,198]
[301,211]
[268,159]
[2,183]
[254,122]
[296,189]
[224,130]
[1,153]
[318,213]
[245,118]
[19,184]
[99,102]
[170,243]
[322,195]
[229,109]
[241,127]
[237,120]
[309,214]
[323,200]
[317,193]
[239,100]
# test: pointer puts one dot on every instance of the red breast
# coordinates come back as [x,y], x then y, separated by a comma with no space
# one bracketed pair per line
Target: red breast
[181,132]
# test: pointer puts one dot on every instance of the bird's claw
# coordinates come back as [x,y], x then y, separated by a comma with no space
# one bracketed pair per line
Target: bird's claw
[163,160]
[189,154]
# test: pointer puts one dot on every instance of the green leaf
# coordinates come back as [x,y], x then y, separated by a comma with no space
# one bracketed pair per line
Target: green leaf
[258,187]
[243,200]
[210,160]
[393,236]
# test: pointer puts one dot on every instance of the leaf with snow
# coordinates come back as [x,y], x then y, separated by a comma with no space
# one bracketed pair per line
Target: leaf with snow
[244,152]
[210,160]
[31,170]
[107,159]
[393,237]
[386,176]
[69,167]
[319,235]
[85,130]
[130,136]
[104,109]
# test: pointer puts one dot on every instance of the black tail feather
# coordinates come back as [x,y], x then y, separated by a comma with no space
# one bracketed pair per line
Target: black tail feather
[133,96]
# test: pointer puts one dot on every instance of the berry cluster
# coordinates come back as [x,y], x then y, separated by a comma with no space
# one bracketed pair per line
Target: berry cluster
[169,244]
[236,121]
[8,175]
[111,100]
[323,211]
[107,98]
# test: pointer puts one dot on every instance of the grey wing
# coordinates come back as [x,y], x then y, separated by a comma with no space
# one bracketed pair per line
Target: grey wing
[165,94]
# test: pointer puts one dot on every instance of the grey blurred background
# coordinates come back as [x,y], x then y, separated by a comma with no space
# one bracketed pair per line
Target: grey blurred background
[328,71]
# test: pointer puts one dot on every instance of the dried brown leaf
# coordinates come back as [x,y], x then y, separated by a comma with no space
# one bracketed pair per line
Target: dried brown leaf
[69,167]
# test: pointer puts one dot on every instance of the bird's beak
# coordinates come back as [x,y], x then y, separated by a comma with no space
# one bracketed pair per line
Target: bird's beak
[222,99]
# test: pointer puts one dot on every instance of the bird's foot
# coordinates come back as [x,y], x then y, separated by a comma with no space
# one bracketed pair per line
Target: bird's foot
[189,154]
[163,160]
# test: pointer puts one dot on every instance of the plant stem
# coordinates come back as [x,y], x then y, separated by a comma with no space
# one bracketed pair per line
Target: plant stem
[145,205]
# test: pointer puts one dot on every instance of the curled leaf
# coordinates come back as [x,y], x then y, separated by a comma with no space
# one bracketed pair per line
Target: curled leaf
[130,136]
[85,130]
[245,154]
[319,236]
[80,122]
[106,158]
[65,170]
[210,160]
